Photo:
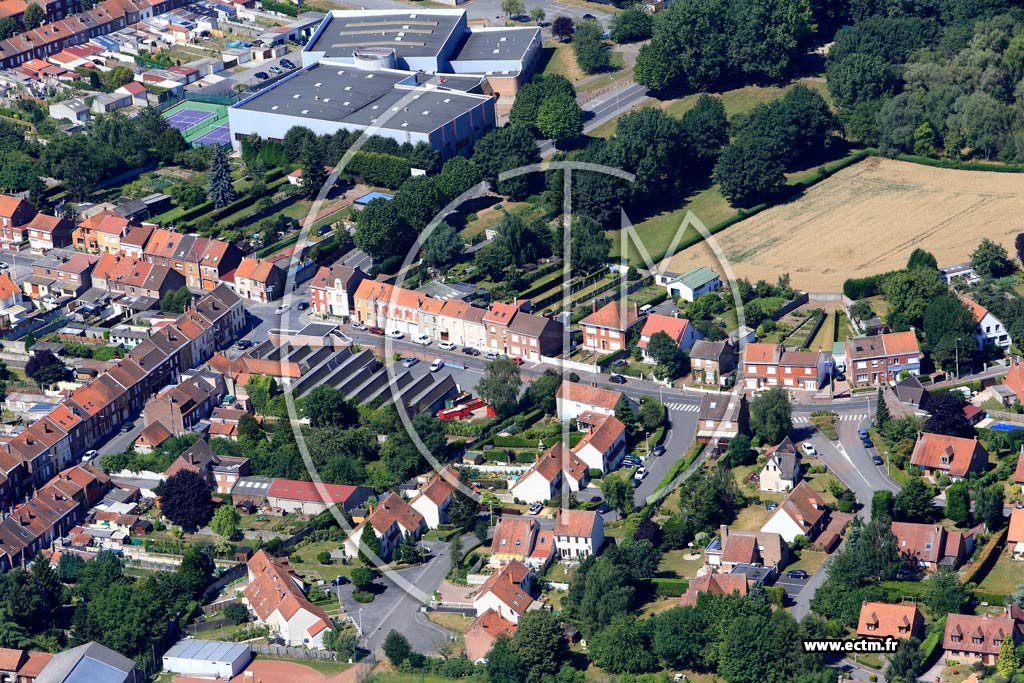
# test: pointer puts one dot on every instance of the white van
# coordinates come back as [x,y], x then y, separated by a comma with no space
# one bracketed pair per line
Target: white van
[645,309]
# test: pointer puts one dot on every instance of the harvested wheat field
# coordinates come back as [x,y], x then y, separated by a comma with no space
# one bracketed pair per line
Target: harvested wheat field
[867,219]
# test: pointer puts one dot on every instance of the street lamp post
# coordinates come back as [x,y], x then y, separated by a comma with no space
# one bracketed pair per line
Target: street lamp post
[361,622]
[647,442]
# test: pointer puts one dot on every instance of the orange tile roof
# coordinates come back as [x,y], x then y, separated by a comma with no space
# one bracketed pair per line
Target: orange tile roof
[977,309]
[1014,379]
[961,455]
[589,395]
[10,205]
[488,625]
[8,288]
[575,523]
[10,659]
[274,587]
[715,584]
[514,536]
[610,316]
[37,661]
[254,269]
[803,505]
[292,489]
[508,586]
[106,222]
[1016,532]
[163,243]
[153,435]
[920,542]
[900,342]
[758,352]
[500,314]
[674,327]
[392,509]
[603,435]
[440,486]
[991,630]
[880,619]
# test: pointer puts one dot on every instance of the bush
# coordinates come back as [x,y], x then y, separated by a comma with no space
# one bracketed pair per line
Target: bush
[237,613]
[363,596]
[863,287]
[323,557]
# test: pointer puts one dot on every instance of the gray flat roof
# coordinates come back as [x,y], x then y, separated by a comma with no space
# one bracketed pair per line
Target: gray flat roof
[497,44]
[351,96]
[411,34]
[207,650]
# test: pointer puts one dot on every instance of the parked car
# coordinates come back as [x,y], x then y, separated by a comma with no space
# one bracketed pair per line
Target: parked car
[436,365]
[323,229]
[603,508]
[89,455]
[244,344]
[409,362]
[446,346]
[358,326]
[396,334]
[658,450]
[303,305]
[127,427]
[877,459]
[595,499]
[862,433]
[808,448]
[491,355]
[262,75]
[283,308]
[518,361]
[470,351]
[287,63]
[617,379]
[535,509]
[589,16]
[619,362]
[867,442]
[375,330]
[640,474]
[339,581]
[797,574]
[422,340]
[275,70]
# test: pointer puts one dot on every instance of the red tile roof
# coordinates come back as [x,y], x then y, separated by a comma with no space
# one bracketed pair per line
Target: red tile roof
[963,629]
[715,584]
[291,489]
[954,454]
[588,395]
[508,586]
[879,620]
[579,523]
[611,316]
[675,328]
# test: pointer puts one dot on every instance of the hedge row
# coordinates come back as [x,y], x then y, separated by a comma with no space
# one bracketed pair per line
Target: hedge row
[863,287]
[813,332]
[382,170]
[931,646]
[961,165]
[987,558]
[670,588]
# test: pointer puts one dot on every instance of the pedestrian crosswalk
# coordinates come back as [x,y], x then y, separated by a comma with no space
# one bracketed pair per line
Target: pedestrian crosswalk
[683,407]
[843,417]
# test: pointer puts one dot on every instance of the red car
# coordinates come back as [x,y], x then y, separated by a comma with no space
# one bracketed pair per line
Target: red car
[375,330]
[518,361]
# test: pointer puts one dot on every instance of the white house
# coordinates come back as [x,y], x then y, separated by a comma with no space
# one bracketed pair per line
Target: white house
[990,329]
[679,330]
[781,471]
[507,592]
[573,398]
[276,595]
[435,497]
[694,284]
[391,519]
[578,534]
[543,481]
[604,444]
[802,513]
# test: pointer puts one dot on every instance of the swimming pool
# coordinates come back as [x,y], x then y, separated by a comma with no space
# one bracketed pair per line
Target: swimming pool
[1004,427]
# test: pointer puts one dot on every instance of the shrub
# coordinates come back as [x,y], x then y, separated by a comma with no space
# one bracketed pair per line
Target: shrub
[362,596]
[863,287]
[323,557]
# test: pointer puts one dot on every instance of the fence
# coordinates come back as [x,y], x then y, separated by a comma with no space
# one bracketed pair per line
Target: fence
[571,364]
[298,652]
[796,303]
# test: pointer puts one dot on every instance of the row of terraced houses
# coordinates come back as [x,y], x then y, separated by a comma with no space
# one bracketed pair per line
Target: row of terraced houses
[96,410]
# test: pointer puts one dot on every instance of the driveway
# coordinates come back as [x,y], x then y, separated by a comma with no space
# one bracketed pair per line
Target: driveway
[678,440]
[395,609]
[793,586]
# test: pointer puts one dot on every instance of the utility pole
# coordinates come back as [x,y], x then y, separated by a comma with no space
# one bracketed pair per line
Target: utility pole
[956,348]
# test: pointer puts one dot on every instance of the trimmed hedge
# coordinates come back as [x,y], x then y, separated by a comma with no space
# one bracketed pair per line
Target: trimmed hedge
[383,170]
[670,588]
[961,165]
[863,287]
[931,646]
[987,558]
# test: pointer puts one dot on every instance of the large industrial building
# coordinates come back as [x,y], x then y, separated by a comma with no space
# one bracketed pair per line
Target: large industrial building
[414,76]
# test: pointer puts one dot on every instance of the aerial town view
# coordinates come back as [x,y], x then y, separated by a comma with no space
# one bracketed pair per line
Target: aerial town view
[511,341]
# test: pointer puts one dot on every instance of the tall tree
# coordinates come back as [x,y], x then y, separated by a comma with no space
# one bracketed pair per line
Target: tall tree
[397,648]
[990,259]
[905,665]
[443,248]
[1009,661]
[944,593]
[958,504]
[907,294]
[225,521]
[560,118]
[500,385]
[8,27]
[771,416]
[623,647]
[409,550]
[325,406]
[617,492]
[33,16]
[185,500]
[562,28]
[947,416]
[540,642]
[590,246]
[382,232]
[222,192]
[949,328]
[749,172]
[503,663]
[312,160]
[988,506]
[914,502]
[882,415]
[369,545]
[919,258]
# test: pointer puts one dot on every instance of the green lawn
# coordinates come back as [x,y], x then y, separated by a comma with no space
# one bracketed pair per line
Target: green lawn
[1005,576]
[810,561]
[674,563]
[742,100]
[327,668]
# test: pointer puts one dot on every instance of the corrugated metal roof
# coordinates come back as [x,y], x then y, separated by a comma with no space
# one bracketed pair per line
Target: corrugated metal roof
[207,650]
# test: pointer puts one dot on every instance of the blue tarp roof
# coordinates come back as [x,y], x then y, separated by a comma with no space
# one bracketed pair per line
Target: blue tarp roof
[369,197]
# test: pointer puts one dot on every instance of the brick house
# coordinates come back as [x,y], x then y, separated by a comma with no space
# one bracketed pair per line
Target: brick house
[771,365]
[679,330]
[47,232]
[259,280]
[955,456]
[15,214]
[100,233]
[332,289]
[927,546]
[970,639]
[711,362]
[606,329]
[881,358]
[532,336]
[882,620]
[497,321]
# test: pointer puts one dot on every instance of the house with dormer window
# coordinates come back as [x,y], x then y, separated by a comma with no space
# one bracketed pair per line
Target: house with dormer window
[970,639]
[507,592]
[882,620]
[955,456]
[781,471]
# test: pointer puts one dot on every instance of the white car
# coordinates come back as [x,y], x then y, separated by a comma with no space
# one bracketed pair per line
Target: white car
[640,474]
[396,334]
[491,355]
[89,455]
[436,365]
[283,308]
[447,346]
[422,340]
[808,448]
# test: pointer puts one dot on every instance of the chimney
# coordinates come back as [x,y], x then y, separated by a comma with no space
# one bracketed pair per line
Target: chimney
[593,306]
[723,529]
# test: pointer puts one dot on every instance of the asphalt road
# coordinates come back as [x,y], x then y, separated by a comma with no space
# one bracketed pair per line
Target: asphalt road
[678,439]
[395,609]
[19,266]
[604,108]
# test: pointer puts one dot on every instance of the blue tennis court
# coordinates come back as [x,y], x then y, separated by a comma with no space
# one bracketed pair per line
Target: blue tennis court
[221,135]
[186,118]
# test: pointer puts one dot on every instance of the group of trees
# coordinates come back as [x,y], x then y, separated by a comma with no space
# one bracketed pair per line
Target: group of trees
[718,44]
[709,498]
[927,81]
[790,133]
[548,104]
[592,54]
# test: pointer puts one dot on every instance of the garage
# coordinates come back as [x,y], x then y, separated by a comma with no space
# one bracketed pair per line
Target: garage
[207,658]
